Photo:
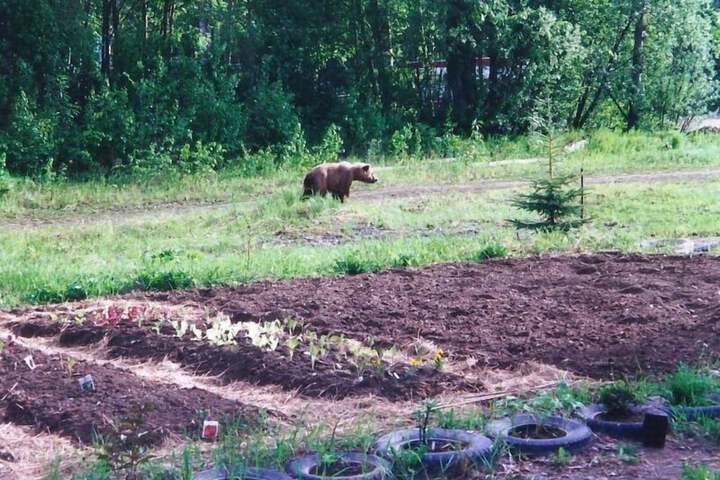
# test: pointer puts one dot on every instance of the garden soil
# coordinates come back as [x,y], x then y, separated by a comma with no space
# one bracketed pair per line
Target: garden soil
[49,397]
[602,316]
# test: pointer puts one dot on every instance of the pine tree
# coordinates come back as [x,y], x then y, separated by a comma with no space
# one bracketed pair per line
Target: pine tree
[557,203]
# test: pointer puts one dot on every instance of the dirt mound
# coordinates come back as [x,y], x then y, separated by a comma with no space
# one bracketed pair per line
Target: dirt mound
[599,315]
[50,398]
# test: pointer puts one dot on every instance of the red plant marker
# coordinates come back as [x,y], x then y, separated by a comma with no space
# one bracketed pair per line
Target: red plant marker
[210,430]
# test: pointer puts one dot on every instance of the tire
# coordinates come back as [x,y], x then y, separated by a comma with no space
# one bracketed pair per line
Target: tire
[247,474]
[577,435]
[478,448]
[630,430]
[692,414]
[300,467]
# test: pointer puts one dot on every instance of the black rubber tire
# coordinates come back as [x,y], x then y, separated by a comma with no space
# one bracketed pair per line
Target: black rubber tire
[630,430]
[479,448]
[300,467]
[577,435]
[244,474]
[692,414]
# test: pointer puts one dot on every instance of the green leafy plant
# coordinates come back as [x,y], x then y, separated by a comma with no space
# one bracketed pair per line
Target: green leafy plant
[492,250]
[124,449]
[555,201]
[690,387]
[70,363]
[422,417]
[561,458]
[699,472]
[181,327]
[617,398]
[222,331]
[292,342]
[353,264]
[628,454]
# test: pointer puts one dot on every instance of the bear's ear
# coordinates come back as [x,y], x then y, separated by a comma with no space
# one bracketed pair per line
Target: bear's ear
[366,167]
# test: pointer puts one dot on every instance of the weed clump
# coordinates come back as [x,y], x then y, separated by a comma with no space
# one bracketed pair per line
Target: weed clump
[690,387]
[617,398]
[353,264]
[699,472]
[163,281]
[492,250]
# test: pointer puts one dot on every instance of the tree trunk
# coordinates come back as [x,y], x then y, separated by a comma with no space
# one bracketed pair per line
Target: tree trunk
[381,50]
[106,38]
[636,93]
[600,77]
[115,34]
[460,68]
[167,20]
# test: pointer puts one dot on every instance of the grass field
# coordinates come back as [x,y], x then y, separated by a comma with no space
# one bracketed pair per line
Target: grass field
[279,236]
[266,231]
[606,153]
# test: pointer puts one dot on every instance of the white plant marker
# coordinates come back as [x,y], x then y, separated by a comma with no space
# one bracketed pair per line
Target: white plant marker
[30,362]
[87,384]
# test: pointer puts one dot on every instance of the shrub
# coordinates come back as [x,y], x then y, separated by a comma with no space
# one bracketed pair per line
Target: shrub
[199,158]
[331,146]
[617,398]
[4,179]
[29,140]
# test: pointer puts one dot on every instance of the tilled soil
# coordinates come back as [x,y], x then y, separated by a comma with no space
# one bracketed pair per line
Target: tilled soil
[49,397]
[601,315]
[329,377]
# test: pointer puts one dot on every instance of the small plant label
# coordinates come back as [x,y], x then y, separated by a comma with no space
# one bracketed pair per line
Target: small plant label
[87,384]
[210,430]
[30,362]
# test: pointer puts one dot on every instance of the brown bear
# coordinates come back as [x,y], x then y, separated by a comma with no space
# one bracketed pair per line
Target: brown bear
[336,178]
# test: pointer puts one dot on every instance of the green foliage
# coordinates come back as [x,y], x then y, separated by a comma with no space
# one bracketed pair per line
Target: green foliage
[422,417]
[617,397]
[163,280]
[627,453]
[82,95]
[689,386]
[699,472]
[561,458]
[124,449]
[452,419]
[354,264]
[555,201]
[492,250]
[29,140]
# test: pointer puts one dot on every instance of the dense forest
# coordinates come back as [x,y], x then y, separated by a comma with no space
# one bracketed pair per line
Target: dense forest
[96,86]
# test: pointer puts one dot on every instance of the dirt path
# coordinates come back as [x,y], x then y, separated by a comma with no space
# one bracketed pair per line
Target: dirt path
[134,215]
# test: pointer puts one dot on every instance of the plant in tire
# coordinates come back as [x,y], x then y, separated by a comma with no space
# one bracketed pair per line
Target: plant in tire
[617,398]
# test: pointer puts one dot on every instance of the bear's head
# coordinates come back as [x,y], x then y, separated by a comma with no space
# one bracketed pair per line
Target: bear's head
[364,173]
